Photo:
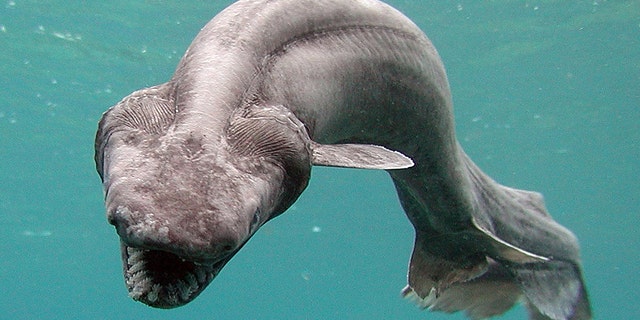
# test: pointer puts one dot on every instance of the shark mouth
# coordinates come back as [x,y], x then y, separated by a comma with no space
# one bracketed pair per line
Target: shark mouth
[164,280]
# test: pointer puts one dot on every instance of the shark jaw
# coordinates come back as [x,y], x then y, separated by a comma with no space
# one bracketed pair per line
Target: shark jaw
[164,280]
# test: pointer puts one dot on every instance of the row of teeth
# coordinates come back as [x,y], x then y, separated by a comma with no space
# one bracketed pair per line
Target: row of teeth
[140,284]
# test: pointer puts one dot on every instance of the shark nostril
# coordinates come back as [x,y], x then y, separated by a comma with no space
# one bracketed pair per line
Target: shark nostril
[227,248]
[112,220]
[119,216]
[223,247]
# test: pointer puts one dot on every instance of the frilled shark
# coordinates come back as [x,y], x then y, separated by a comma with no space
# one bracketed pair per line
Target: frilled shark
[192,168]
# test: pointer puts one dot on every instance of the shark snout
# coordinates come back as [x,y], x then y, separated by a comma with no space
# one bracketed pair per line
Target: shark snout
[190,241]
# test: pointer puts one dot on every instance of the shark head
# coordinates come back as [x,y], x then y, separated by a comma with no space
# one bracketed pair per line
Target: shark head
[184,199]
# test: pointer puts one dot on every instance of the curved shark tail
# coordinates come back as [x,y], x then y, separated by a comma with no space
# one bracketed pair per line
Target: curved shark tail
[542,256]
[552,290]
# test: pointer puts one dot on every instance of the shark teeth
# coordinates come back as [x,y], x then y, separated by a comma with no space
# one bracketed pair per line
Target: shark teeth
[161,279]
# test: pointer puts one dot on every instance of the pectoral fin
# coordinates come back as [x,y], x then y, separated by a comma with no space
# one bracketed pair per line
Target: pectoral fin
[361,156]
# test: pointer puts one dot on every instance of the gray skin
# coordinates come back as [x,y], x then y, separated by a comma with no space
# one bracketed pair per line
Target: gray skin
[193,167]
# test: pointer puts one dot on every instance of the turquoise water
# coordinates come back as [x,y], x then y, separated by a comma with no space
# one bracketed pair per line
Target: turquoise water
[547,98]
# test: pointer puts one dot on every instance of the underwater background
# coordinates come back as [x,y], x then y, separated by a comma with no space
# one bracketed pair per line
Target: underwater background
[546,95]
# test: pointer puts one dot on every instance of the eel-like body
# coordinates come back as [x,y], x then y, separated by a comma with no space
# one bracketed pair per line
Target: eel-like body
[193,167]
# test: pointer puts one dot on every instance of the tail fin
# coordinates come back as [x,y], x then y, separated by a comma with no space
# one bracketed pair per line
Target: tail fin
[542,255]
[512,250]
[553,290]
